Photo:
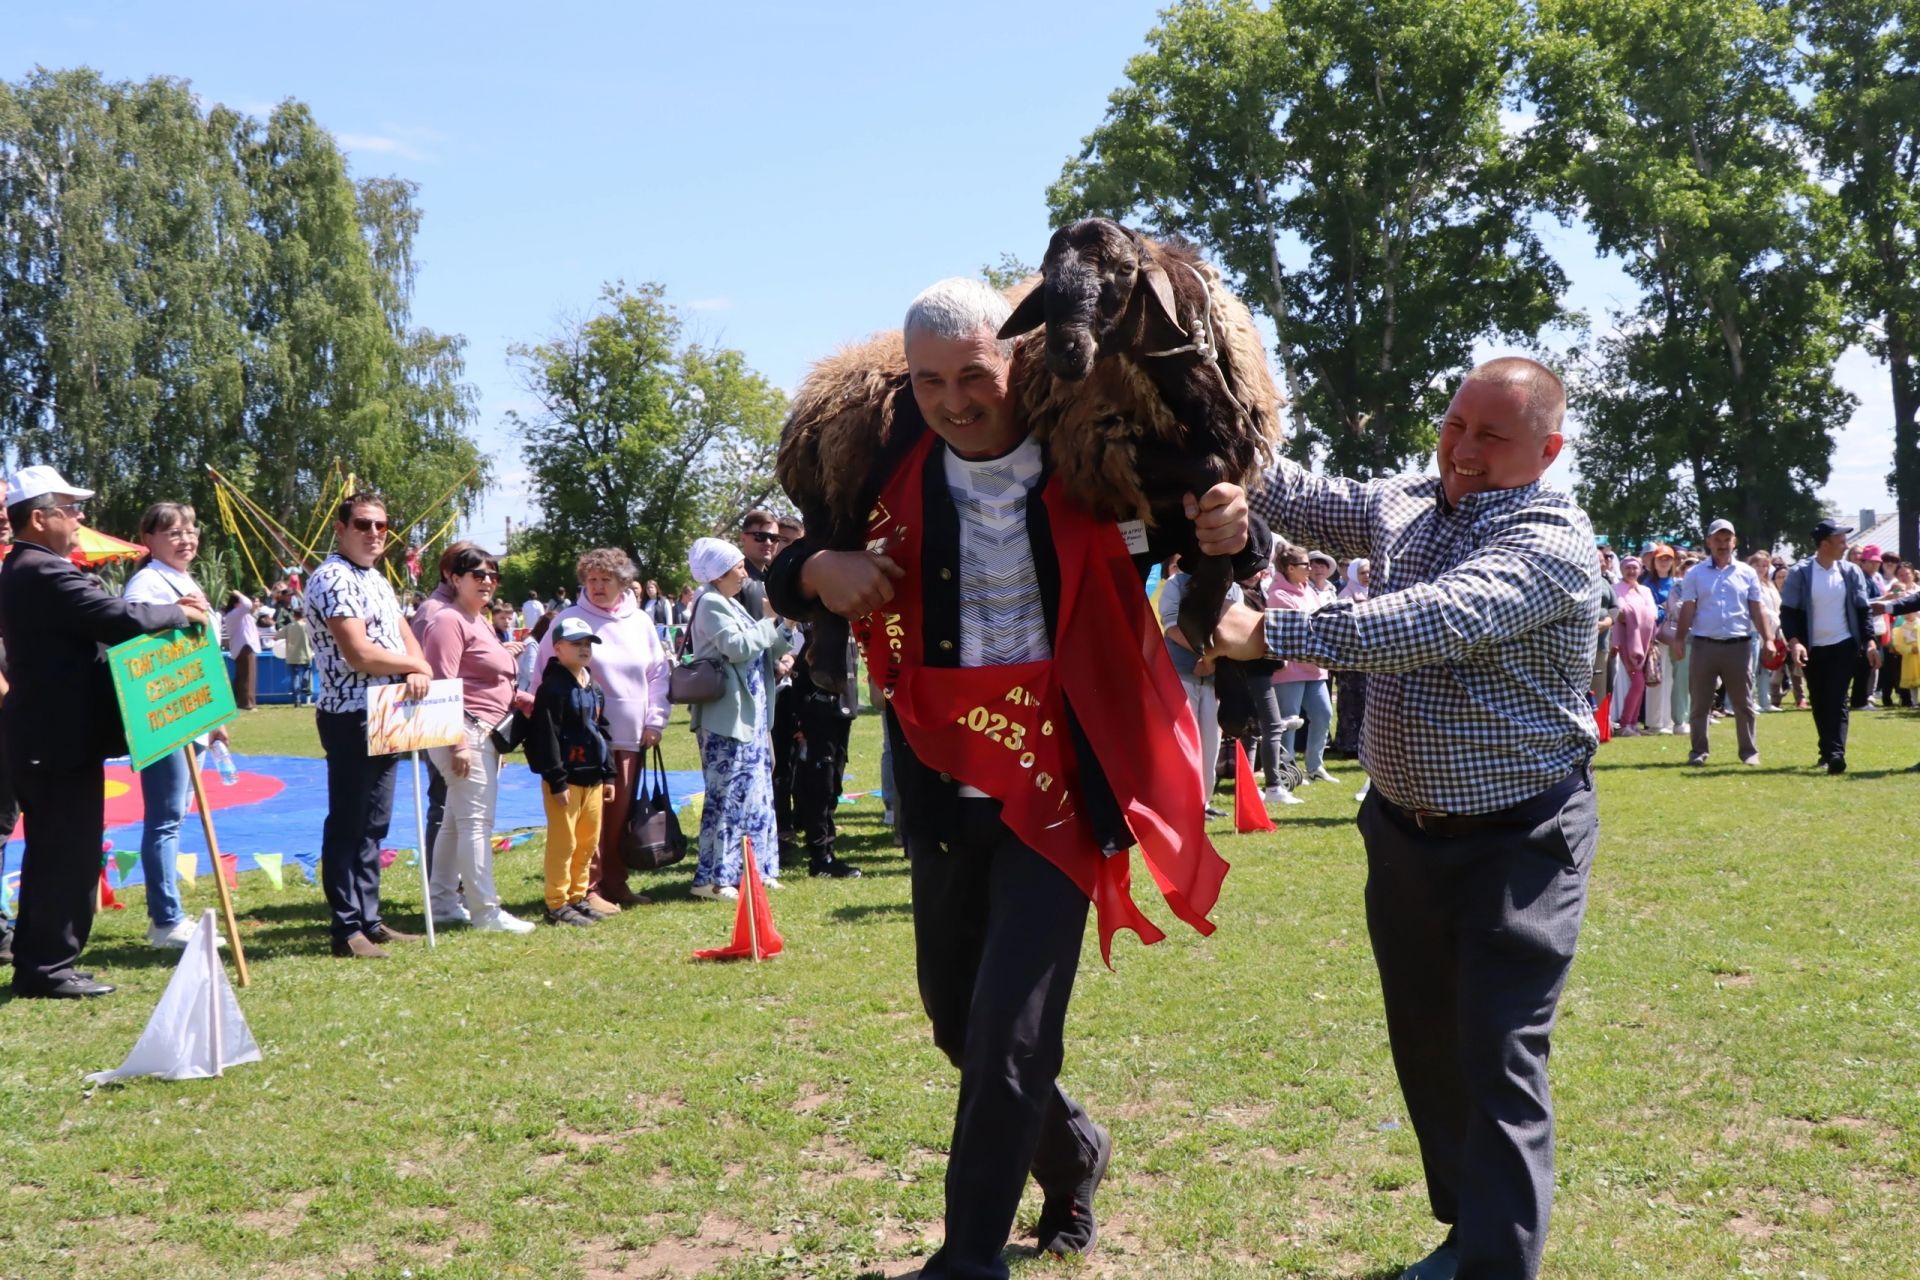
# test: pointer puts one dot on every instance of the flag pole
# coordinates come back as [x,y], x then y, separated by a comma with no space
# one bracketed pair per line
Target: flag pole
[219,879]
[420,832]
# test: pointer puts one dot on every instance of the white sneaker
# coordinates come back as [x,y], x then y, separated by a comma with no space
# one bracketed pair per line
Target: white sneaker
[498,921]
[456,914]
[1321,775]
[771,883]
[715,892]
[177,937]
[1289,723]
[1280,795]
[1365,787]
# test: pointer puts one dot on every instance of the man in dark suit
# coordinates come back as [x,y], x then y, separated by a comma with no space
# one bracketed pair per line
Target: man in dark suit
[1824,612]
[61,723]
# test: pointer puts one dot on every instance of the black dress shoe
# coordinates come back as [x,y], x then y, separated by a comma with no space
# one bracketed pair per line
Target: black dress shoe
[74,988]
[1067,1223]
[1837,765]
[833,867]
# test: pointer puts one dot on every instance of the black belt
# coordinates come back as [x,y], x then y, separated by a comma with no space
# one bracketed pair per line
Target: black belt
[1525,813]
[1725,639]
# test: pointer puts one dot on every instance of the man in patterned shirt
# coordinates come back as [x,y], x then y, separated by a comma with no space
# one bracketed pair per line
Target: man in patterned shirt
[361,641]
[1480,824]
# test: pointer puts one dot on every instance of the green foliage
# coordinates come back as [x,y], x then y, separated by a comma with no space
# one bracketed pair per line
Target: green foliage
[1010,272]
[642,441]
[1362,141]
[1667,126]
[1863,63]
[181,288]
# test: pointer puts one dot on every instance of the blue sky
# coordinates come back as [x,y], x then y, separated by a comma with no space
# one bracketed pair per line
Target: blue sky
[791,173]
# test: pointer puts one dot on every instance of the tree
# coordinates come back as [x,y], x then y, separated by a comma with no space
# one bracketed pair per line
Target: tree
[1864,120]
[1362,141]
[1668,127]
[181,288]
[1009,273]
[641,441]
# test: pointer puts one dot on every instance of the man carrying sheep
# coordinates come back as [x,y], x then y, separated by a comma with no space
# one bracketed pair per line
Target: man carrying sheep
[1012,777]
[1480,824]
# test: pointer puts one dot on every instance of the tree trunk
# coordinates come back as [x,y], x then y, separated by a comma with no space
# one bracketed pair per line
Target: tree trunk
[1906,439]
[1296,402]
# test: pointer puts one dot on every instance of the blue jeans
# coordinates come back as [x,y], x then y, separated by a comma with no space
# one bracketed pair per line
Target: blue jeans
[301,674]
[1762,678]
[164,787]
[1309,698]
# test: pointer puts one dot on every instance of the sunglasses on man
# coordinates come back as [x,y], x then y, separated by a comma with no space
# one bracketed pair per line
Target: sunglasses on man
[762,535]
[367,524]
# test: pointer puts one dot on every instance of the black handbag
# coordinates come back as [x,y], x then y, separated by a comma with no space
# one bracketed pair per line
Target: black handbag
[509,733]
[697,680]
[652,838]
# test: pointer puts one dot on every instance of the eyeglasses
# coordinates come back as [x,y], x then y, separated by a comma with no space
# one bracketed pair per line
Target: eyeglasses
[485,575]
[74,509]
[761,535]
[1293,564]
[182,533]
[367,524]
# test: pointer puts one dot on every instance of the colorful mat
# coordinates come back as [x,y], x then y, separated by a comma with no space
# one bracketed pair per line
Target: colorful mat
[279,804]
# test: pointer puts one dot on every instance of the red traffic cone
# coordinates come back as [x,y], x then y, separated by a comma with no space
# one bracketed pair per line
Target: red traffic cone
[1249,810]
[754,937]
[107,901]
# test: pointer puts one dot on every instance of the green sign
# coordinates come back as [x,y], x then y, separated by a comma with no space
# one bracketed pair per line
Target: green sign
[172,688]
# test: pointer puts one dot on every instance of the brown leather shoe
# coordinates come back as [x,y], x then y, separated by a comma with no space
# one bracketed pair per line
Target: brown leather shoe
[385,934]
[625,897]
[602,905]
[358,947]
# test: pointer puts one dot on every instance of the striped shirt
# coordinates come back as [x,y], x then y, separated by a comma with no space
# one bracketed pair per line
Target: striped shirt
[1002,621]
[1480,625]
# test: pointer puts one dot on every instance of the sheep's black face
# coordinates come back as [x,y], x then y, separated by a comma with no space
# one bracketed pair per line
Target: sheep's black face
[1087,283]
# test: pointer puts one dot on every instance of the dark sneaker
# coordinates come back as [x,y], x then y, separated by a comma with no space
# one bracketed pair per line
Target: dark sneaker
[1067,1224]
[384,934]
[567,915]
[1837,765]
[1442,1264]
[587,913]
[832,866]
[69,988]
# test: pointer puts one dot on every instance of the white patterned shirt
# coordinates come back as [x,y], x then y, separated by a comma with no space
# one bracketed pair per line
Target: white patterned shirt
[1479,624]
[1002,621]
[340,588]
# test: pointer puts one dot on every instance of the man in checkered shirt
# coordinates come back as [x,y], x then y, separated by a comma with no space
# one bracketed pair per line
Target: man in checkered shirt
[1480,824]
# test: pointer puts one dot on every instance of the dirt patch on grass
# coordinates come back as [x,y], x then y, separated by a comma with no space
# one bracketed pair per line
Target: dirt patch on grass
[719,1241]
[810,1101]
[832,1159]
[283,1219]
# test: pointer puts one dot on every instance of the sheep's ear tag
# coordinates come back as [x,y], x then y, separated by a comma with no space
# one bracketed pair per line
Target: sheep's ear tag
[1135,533]
[1162,290]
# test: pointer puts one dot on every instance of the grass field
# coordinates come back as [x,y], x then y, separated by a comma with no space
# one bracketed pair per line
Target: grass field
[1737,1069]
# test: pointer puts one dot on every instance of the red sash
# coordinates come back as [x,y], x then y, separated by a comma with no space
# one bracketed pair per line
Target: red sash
[1004,729]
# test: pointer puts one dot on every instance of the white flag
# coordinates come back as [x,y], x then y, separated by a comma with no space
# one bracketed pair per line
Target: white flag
[197,1030]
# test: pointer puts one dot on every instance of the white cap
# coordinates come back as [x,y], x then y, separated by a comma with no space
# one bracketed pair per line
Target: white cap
[32,482]
[1719,526]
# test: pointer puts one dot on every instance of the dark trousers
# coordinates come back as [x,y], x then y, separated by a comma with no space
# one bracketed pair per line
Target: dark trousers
[65,810]
[997,932]
[786,725]
[359,807]
[1473,936]
[1864,678]
[819,770]
[1350,693]
[245,663]
[1830,673]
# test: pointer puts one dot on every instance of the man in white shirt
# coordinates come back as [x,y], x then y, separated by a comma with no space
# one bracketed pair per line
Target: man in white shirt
[530,611]
[1823,613]
[1720,608]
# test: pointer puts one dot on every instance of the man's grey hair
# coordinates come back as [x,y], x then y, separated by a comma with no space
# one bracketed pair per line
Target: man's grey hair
[958,308]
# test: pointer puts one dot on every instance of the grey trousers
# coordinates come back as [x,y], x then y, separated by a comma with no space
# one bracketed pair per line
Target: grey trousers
[1714,662]
[1473,936]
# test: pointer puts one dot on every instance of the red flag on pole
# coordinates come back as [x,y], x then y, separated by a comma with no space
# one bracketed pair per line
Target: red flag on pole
[754,936]
[1249,810]
[1603,718]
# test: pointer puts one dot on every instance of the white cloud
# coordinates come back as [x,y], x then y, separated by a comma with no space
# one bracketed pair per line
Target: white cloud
[721,303]
[407,142]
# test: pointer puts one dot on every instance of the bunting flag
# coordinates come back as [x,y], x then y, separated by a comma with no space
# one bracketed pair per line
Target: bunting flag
[1249,810]
[270,863]
[230,868]
[183,866]
[754,936]
[124,860]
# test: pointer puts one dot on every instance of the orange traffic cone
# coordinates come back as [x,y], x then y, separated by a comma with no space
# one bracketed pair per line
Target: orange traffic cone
[107,901]
[754,936]
[1249,810]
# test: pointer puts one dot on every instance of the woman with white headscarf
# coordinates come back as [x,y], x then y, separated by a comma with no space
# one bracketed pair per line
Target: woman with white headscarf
[735,730]
[1350,687]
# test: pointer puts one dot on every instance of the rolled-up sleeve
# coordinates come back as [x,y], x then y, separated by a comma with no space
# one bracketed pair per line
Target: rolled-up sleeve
[1323,512]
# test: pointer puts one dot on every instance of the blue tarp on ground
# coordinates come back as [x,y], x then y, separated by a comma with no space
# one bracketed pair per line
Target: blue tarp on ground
[280,804]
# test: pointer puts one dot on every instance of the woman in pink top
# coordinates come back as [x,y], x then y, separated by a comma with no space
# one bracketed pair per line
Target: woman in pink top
[632,666]
[1301,685]
[459,643]
[1633,640]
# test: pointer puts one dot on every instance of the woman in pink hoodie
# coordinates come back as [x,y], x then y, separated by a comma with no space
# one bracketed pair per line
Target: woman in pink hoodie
[1632,637]
[632,666]
[1302,686]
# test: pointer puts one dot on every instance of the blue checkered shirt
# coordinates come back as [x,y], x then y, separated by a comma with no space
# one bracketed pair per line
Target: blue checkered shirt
[1477,634]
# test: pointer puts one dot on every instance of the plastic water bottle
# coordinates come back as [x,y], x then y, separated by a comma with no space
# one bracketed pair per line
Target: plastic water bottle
[223,763]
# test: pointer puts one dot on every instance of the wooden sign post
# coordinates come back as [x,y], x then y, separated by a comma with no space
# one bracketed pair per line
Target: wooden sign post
[172,687]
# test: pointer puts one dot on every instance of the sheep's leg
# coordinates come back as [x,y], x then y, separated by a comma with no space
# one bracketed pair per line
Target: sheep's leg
[1206,597]
[827,654]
